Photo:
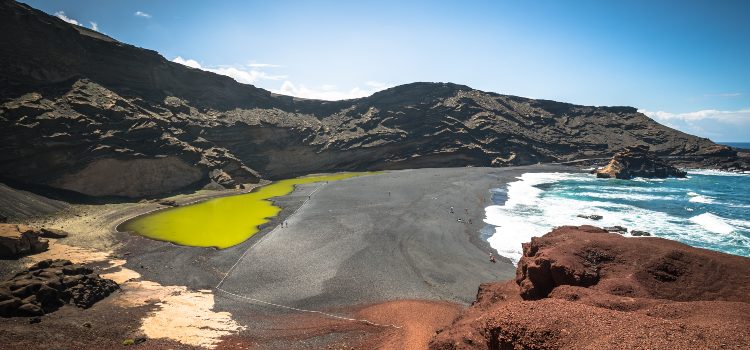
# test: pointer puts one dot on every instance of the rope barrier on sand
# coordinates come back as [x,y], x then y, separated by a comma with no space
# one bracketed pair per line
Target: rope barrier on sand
[339,317]
[310,311]
[260,240]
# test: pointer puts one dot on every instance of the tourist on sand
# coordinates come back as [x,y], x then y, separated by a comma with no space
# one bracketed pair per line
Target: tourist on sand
[492,258]
[451,210]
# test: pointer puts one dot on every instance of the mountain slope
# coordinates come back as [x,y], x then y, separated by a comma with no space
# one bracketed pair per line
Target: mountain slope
[81,111]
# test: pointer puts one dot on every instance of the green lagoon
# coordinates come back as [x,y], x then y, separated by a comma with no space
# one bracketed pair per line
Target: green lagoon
[221,222]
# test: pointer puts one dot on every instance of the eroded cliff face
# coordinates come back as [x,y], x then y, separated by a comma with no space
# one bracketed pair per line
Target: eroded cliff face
[585,288]
[72,99]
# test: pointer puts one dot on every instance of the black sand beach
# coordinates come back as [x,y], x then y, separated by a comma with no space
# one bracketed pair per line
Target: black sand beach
[380,248]
[352,243]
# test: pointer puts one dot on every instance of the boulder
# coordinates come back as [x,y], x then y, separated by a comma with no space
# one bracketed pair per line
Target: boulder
[637,161]
[52,233]
[618,229]
[168,203]
[590,217]
[222,178]
[20,240]
[49,284]
[639,233]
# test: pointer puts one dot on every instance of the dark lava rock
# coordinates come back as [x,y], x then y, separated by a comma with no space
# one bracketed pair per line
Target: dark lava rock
[618,229]
[20,240]
[168,203]
[582,287]
[590,217]
[639,233]
[49,284]
[637,161]
[52,233]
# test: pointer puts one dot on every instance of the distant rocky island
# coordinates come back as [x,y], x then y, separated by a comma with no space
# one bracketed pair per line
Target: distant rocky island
[82,112]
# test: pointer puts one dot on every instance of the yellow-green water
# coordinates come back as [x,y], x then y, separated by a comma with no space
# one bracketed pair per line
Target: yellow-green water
[221,222]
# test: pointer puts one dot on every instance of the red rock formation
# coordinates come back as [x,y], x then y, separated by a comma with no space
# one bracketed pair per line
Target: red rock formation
[581,287]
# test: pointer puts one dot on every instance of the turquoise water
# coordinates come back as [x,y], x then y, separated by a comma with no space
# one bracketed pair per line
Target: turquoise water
[708,209]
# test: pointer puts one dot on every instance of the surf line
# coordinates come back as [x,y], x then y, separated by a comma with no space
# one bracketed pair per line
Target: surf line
[338,317]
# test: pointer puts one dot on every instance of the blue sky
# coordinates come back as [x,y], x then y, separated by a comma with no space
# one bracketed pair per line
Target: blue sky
[684,63]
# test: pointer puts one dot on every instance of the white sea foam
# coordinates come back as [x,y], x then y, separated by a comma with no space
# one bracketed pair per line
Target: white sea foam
[599,188]
[712,172]
[643,179]
[626,196]
[699,198]
[713,223]
[528,213]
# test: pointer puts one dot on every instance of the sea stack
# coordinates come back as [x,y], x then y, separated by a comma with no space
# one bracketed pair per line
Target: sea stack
[638,161]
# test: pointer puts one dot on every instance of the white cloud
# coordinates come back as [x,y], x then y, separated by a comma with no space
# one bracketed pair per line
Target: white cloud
[726,94]
[731,117]
[61,15]
[142,14]
[263,65]
[712,123]
[253,75]
[244,76]
[329,92]
[94,26]
[240,74]
[188,62]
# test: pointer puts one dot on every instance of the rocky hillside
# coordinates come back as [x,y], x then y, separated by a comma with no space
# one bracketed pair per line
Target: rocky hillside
[83,112]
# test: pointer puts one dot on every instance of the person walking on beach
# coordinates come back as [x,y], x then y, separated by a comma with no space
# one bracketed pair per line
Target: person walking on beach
[492,258]
[451,210]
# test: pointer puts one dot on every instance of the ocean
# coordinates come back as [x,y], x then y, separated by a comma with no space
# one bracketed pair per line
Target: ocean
[708,209]
[743,145]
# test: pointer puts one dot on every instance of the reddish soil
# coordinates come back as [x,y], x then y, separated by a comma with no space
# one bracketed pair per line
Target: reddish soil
[583,288]
[416,323]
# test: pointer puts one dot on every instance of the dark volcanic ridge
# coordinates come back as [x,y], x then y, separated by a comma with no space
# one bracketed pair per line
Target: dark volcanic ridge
[83,112]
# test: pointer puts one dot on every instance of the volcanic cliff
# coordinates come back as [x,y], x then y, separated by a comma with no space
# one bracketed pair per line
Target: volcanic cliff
[83,112]
[585,288]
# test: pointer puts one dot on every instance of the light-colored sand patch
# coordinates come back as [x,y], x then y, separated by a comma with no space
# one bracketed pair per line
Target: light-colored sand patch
[59,250]
[122,275]
[137,293]
[184,316]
